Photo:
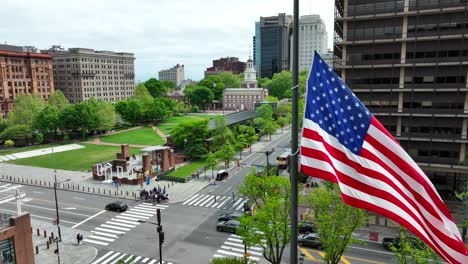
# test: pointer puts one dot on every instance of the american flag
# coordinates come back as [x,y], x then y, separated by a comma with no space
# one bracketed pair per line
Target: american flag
[344,143]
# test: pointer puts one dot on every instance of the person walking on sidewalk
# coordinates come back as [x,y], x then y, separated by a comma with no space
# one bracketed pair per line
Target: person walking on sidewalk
[233,197]
[79,237]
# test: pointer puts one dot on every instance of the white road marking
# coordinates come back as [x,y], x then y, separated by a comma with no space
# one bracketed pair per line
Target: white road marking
[207,200]
[127,218]
[131,256]
[103,257]
[139,213]
[69,208]
[104,234]
[238,201]
[101,238]
[241,250]
[162,205]
[124,221]
[95,242]
[144,261]
[117,259]
[153,261]
[38,216]
[151,212]
[221,204]
[109,259]
[89,218]
[116,227]
[120,224]
[131,215]
[191,198]
[109,230]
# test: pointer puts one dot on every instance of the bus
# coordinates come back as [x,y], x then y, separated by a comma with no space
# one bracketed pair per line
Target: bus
[284,159]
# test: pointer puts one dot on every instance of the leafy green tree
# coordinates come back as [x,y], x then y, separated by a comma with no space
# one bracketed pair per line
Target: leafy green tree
[280,85]
[141,93]
[190,132]
[281,122]
[215,84]
[156,87]
[265,111]
[181,109]
[269,226]
[157,110]
[131,110]
[463,209]
[81,117]
[171,104]
[230,80]
[335,220]
[48,120]
[196,149]
[240,144]
[271,99]
[18,133]
[226,153]
[264,82]
[27,106]
[9,143]
[251,136]
[221,133]
[201,96]
[39,138]
[169,85]
[58,100]
[212,162]
[3,123]
[107,116]
[413,250]
[232,260]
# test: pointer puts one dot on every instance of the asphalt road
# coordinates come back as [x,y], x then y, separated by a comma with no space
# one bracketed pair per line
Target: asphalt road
[190,226]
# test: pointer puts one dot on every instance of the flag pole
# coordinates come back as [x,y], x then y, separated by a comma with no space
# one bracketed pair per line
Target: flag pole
[294,135]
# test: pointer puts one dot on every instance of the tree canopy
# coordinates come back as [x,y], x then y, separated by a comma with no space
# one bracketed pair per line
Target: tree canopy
[156,87]
[215,84]
[200,96]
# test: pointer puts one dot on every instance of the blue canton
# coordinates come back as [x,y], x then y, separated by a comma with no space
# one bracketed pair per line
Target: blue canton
[334,107]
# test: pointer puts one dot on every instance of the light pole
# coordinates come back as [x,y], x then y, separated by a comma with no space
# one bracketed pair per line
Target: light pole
[160,232]
[57,211]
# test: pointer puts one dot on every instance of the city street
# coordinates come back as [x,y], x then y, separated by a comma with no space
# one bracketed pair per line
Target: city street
[189,226]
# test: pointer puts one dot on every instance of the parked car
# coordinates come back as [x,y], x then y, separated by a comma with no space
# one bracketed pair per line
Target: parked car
[395,241]
[221,175]
[118,206]
[309,240]
[229,216]
[306,227]
[228,226]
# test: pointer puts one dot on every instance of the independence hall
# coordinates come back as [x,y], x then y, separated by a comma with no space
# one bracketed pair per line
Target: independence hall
[407,60]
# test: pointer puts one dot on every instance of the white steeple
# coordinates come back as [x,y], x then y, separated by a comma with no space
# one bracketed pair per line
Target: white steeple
[250,75]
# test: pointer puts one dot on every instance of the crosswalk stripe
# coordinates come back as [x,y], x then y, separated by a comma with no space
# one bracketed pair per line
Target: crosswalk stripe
[95,242]
[222,198]
[242,246]
[112,257]
[144,261]
[102,238]
[207,200]
[120,224]
[144,211]
[229,253]
[198,201]
[119,258]
[137,258]
[130,257]
[138,216]
[103,257]
[116,227]
[241,250]
[162,205]
[235,239]
[153,261]
[104,234]
[240,206]
[124,221]
[235,236]
[6,185]
[238,201]
[142,206]
[221,204]
[191,198]
[109,230]
[128,218]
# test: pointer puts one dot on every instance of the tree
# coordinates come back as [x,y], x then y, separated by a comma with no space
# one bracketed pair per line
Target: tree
[232,260]
[269,227]
[131,110]
[265,111]
[142,94]
[157,110]
[463,209]
[81,117]
[413,250]
[271,99]
[190,132]
[196,149]
[215,84]
[169,85]
[58,100]
[335,220]
[221,132]
[230,80]
[226,153]
[3,123]
[106,115]
[201,96]
[156,87]
[181,109]
[17,133]
[280,85]
[212,162]
[240,144]
[281,122]
[27,106]
[250,135]
[9,143]
[48,120]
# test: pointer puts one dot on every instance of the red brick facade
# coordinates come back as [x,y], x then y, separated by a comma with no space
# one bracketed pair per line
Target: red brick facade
[20,231]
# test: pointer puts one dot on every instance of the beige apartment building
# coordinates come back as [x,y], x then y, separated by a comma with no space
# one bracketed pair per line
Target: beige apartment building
[84,73]
[175,74]
[22,70]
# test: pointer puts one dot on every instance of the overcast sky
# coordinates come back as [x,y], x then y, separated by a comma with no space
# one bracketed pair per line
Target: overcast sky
[161,33]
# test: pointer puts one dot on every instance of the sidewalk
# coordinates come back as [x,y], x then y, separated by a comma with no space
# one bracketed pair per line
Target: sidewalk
[70,252]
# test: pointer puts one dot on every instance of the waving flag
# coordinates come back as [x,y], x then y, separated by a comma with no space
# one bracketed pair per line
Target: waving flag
[344,143]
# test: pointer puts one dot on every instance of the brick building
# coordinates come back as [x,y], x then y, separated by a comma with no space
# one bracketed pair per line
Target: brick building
[23,71]
[228,64]
[407,60]
[16,244]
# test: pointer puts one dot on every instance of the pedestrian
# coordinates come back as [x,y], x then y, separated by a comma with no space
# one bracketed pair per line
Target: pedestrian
[81,237]
[215,198]
[78,239]
[233,196]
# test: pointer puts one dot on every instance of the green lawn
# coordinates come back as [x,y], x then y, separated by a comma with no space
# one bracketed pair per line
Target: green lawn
[23,149]
[76,160]
[173,121]
[140,136]
[188,169]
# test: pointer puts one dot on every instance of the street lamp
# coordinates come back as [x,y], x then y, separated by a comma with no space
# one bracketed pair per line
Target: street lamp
[57,211]
[160,232]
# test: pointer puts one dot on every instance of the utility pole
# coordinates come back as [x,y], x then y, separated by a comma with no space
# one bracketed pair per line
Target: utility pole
[160,232]
[294,135]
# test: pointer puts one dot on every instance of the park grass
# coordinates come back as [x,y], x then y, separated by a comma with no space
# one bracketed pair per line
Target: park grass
[77,160]
[139,136]
[187,170]
[173,121]
[29,148]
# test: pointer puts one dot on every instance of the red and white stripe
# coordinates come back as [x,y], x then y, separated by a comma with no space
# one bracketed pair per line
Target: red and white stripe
[384,179]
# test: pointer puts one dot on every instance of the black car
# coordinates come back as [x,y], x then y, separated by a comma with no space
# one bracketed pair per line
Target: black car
[221,175]
[117,206]
[306,227]
[229,216]
[309,240]
[228,226]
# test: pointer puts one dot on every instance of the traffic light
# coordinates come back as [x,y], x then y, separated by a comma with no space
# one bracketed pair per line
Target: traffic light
[161,237]
[158,215]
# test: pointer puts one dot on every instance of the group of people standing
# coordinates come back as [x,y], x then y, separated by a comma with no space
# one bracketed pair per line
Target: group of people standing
[155,194]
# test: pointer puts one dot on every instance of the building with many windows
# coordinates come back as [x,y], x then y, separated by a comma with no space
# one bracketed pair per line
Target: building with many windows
[22,70]
[228,64]
[407,60]
[312,37]
[175,74]
[84,73]
[274,44]
[256,47]
[16,243]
